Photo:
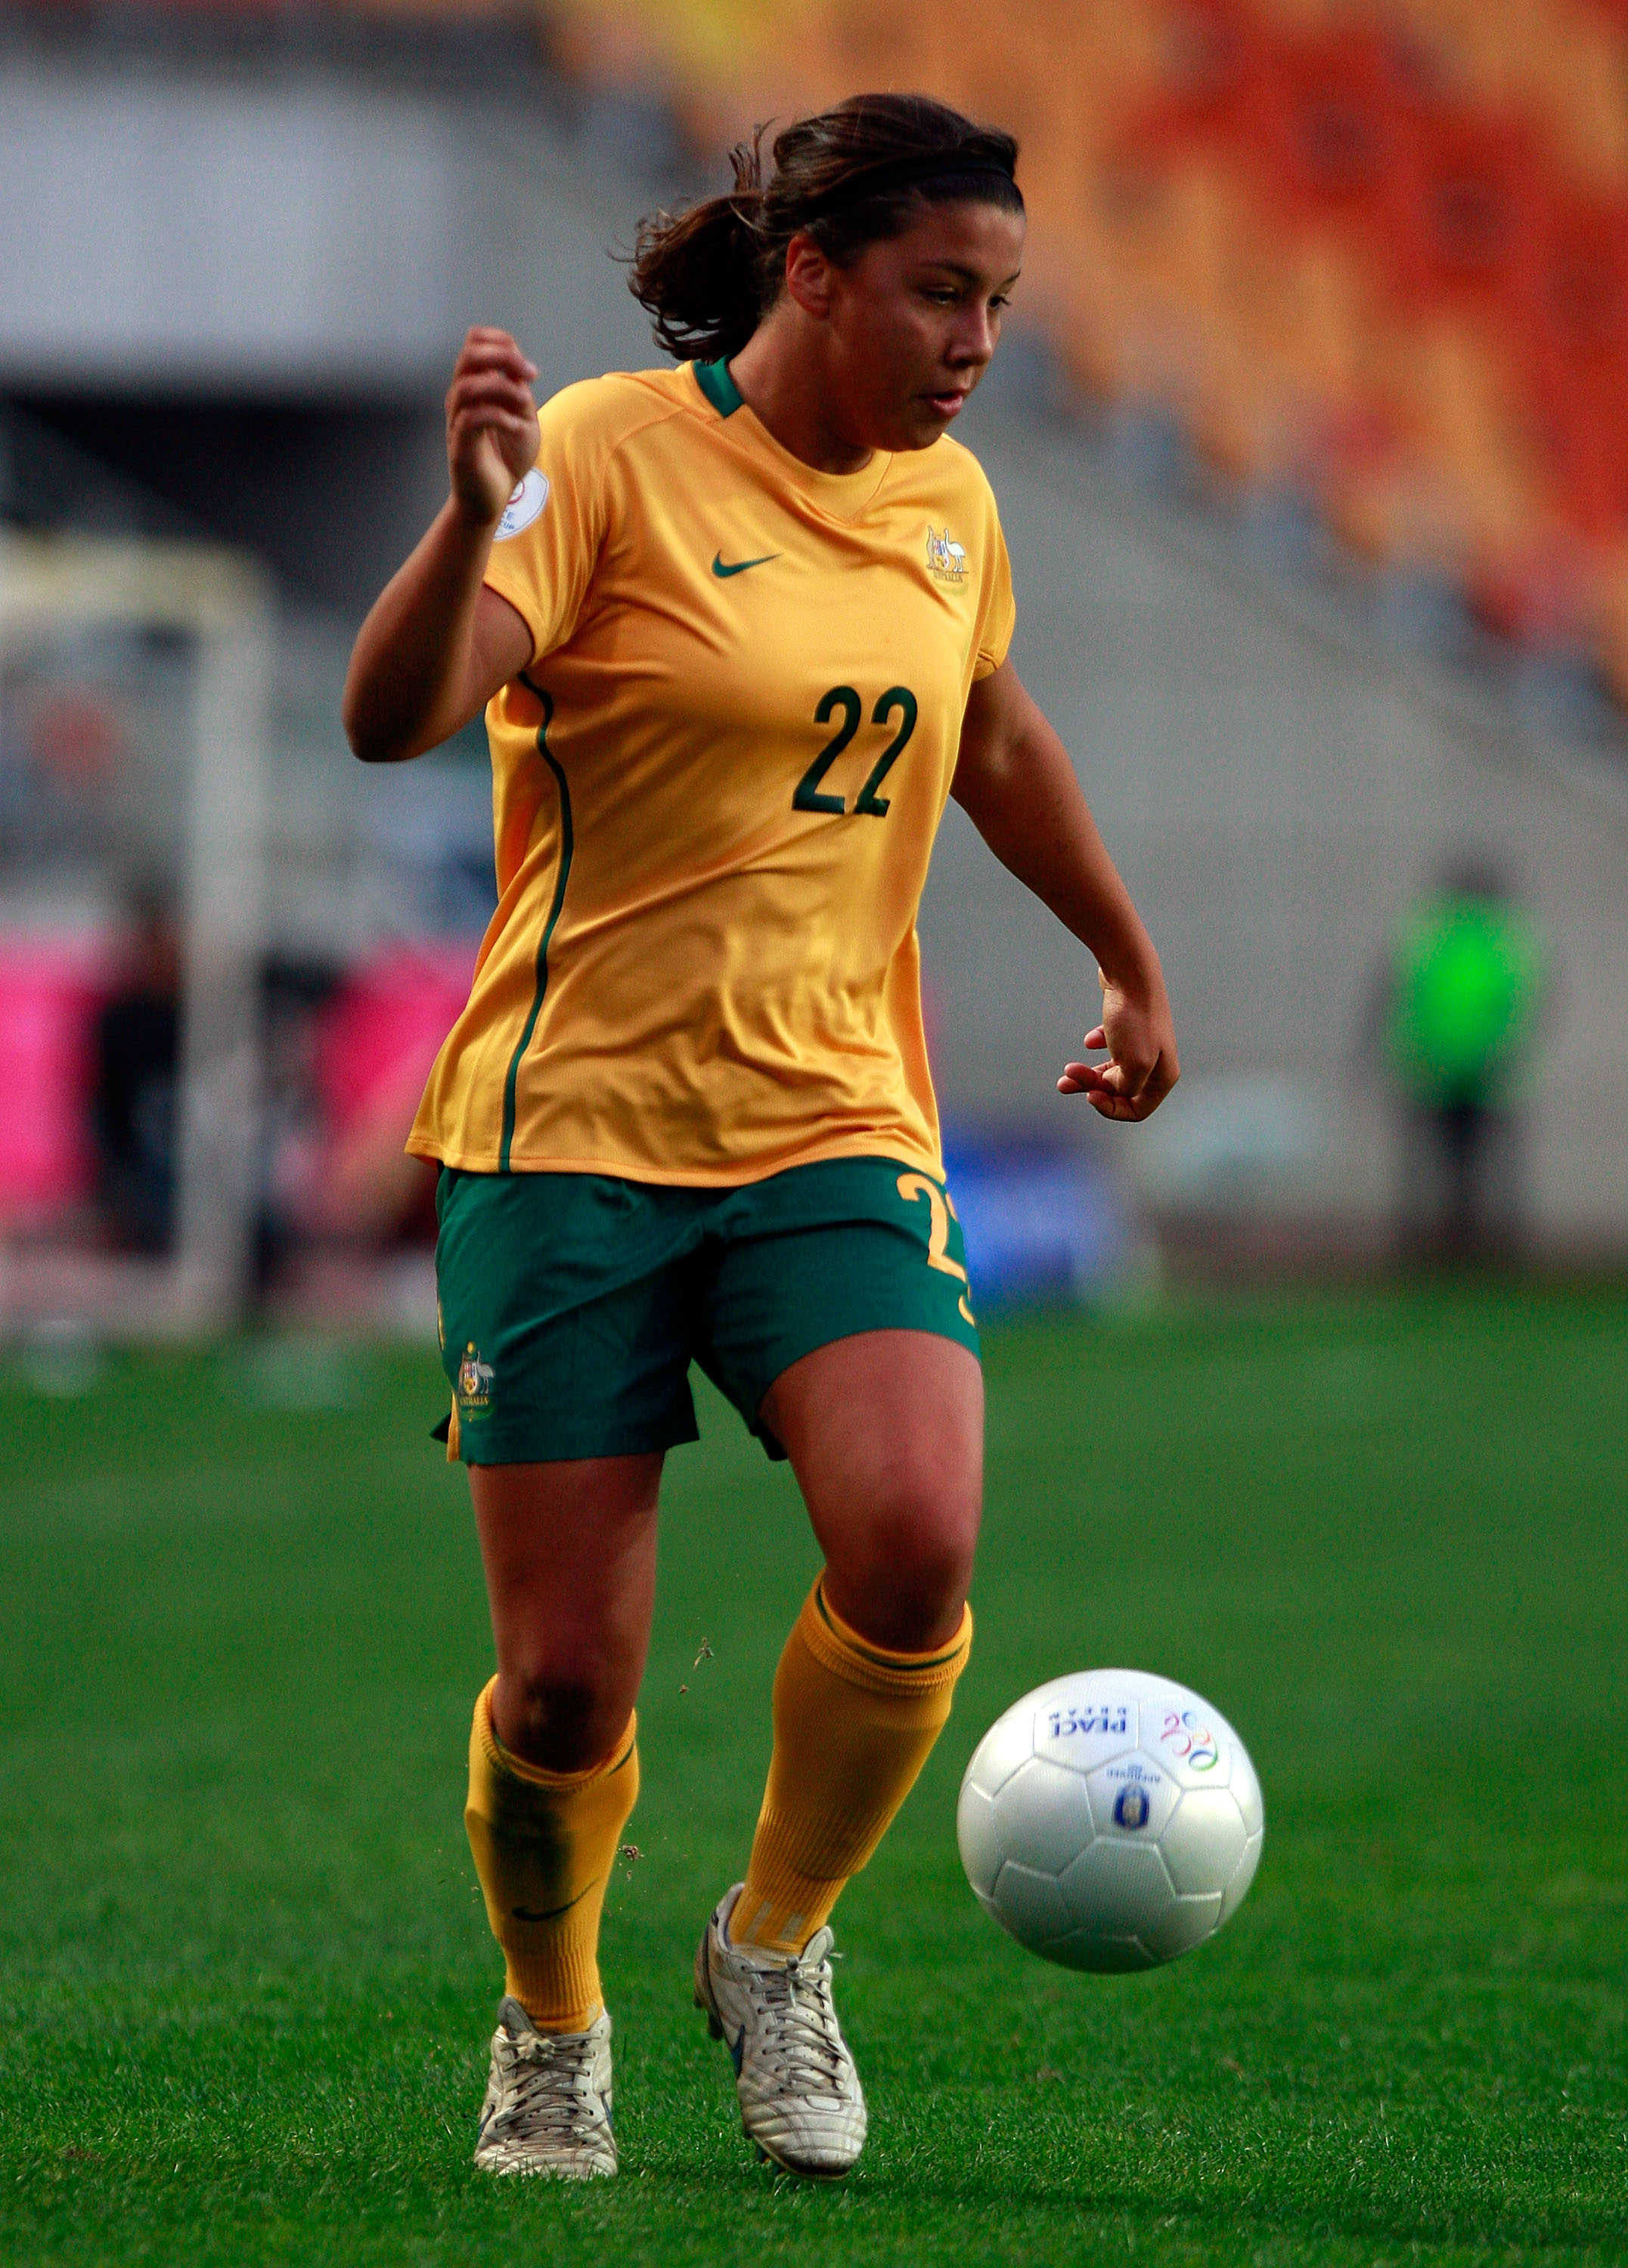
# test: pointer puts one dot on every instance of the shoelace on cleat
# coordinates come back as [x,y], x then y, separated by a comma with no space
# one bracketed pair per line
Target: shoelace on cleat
[552,2097]
[801,2046]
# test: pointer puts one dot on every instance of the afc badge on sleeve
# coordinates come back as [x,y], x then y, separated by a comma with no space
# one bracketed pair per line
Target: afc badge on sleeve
[530,496]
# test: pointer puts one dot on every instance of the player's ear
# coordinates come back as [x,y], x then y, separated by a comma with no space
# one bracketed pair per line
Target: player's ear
[808,277]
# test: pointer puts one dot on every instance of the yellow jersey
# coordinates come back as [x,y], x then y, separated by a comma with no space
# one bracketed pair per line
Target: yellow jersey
[715,793]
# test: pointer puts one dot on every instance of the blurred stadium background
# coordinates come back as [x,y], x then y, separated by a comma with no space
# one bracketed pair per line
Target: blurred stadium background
[1308,436]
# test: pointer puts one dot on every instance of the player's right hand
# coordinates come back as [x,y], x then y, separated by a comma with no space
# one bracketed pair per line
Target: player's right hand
[1140,1038]
[492,424]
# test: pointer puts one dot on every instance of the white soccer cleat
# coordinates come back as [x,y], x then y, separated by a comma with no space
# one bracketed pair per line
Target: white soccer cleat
[548,2100]
[800,2098]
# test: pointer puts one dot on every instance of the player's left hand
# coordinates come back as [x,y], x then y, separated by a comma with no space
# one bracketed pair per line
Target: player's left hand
[1139,1036]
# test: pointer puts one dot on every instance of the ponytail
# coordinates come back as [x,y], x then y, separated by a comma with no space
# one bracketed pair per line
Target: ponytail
[850,177]
[698,272]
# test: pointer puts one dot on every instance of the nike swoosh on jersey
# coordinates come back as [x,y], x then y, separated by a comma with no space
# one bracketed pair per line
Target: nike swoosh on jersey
[721,567]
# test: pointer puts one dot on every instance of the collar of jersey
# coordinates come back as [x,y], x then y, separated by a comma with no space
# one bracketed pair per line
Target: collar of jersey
[719,386]
[842,496]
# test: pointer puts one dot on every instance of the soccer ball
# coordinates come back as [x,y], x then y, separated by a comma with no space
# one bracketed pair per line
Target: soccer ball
[1110,1820]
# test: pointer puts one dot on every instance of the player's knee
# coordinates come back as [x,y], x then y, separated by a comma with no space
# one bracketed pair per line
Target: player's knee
[560,1715]
[918,1560]
[928,1570]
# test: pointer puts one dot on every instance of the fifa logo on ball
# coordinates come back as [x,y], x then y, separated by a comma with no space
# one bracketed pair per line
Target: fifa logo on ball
[1131,1807]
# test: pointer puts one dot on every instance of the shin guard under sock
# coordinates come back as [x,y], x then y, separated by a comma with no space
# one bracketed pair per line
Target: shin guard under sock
[544,1843]
[854,1724]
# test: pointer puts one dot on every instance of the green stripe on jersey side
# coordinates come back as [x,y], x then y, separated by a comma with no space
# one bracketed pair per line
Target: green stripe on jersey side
[720,388]
[566,847]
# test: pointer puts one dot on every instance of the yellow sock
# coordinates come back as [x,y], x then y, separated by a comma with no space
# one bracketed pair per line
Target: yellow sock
[853,1726]
[544,1843]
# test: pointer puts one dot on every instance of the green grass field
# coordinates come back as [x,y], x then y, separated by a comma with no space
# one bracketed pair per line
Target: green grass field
[247,1982]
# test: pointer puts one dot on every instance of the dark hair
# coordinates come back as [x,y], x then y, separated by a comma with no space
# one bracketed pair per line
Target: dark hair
[710,274]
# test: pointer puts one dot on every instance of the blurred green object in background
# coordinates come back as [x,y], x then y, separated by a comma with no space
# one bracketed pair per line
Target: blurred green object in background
[1467,987]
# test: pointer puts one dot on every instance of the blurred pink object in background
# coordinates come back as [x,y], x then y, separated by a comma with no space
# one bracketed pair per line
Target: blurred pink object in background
[378,1037]
[51,988]
[384,1026]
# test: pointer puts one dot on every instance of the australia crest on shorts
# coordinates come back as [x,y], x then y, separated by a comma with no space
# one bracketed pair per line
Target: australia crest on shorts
[475,1380]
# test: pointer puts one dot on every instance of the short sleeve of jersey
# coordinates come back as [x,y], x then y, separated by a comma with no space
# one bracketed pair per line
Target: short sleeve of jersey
[549,539]
[998,613]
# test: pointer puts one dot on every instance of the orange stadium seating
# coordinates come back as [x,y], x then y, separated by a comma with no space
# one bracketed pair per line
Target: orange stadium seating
[1375,251]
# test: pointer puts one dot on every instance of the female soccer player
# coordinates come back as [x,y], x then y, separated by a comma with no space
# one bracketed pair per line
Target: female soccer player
[739,628]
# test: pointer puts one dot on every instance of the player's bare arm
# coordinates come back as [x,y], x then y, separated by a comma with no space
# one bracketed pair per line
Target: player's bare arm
[438,645]
[1015,782]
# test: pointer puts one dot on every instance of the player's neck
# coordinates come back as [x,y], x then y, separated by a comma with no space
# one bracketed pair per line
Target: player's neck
[780,378]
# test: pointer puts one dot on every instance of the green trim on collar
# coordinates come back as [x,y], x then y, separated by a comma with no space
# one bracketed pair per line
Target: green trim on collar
[720,388]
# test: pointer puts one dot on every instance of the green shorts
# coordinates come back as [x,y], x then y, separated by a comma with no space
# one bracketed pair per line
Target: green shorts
[572,1305]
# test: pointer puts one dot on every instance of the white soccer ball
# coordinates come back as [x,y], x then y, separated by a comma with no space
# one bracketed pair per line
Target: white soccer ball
[1110,1820]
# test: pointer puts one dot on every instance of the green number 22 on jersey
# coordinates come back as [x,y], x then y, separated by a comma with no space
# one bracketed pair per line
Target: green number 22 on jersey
[898,700]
